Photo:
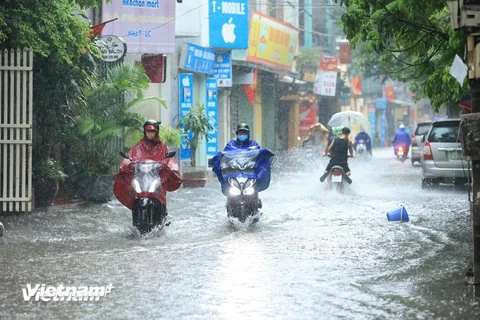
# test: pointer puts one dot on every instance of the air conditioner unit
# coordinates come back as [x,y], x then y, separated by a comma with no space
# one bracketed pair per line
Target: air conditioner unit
[469,13]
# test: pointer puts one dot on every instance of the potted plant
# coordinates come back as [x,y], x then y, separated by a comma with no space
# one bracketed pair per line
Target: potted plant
[196,126]
[46,178]
[106,125]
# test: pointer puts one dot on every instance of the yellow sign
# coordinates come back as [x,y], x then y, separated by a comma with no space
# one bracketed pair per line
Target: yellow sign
[271,42]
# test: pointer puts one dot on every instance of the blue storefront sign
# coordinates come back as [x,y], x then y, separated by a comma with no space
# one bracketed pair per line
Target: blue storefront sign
[212,114]
[199,59]
[372,117]
[381,104]
[228,24]
[222,69]
[185,86]
[383,127]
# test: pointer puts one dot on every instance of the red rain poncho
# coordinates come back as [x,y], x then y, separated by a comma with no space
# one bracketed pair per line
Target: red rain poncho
[143,150]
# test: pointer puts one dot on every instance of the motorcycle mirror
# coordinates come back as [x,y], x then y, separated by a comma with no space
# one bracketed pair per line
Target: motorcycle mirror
[171,154]
[124,155]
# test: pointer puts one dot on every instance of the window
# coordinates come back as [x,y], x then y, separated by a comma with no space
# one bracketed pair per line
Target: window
[445,132]
[275,9]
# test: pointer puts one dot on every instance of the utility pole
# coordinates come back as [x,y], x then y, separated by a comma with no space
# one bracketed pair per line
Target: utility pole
[465,14]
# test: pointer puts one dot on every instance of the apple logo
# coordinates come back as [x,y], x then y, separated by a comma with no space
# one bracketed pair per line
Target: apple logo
[228,33]
[186,82]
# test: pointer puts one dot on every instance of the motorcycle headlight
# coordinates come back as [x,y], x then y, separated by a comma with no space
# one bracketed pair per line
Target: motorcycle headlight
[248,191]
[235,191]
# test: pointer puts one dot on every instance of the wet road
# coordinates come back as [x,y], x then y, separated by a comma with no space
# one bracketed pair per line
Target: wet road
[315,253]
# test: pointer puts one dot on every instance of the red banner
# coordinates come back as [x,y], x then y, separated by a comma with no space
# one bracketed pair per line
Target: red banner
[357,85]
[251,89]
[307,114]
[345,55]
[328,64]
[389,93]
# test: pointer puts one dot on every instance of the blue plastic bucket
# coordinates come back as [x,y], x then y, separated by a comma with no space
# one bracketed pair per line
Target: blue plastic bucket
[398,214]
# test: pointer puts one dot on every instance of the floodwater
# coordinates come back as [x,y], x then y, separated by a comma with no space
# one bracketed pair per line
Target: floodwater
[314,254]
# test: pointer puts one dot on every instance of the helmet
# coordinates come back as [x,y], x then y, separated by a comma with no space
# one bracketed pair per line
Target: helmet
[153,125]
[401,126]
[243,127]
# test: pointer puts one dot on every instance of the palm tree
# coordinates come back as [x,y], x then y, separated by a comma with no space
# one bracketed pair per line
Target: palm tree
[108,117]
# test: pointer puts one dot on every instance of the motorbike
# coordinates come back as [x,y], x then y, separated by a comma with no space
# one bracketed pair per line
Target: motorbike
[141,186]
[336,178]
[401,152]
[361,150]
[242,175]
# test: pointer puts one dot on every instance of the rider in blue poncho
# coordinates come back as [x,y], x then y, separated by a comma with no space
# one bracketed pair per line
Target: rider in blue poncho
[362,135]
[402,138]
[243,140]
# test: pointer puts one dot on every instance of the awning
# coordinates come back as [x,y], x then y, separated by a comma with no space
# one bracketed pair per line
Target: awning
[288,79]
[401,102]
[243,63]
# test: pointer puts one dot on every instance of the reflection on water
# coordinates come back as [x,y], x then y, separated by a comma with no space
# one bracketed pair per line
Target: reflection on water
[315,253]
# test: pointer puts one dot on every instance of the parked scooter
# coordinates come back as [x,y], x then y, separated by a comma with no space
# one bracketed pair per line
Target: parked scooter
[141,186]
[242,175]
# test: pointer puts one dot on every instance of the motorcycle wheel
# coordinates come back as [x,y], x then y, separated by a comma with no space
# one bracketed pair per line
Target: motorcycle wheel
[148,214]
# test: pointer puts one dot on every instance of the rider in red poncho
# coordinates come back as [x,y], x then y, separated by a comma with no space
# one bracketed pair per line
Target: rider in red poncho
[151,148]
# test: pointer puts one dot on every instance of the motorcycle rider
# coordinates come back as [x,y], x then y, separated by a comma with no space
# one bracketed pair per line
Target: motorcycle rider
[339,148]
[152,148]
[402,138]
[151,145]
[362,135]
[242,140]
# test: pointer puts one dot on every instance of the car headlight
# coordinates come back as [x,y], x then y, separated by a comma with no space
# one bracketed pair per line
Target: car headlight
[235,191]
[248,191]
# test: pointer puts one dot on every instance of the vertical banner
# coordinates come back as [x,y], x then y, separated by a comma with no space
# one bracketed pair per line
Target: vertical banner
[307,114]
[372,117]
[185,86]
[212,115]
[251,89]
[326,79]
[383,128]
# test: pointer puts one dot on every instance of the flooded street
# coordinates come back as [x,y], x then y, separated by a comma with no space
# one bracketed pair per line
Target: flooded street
[314,254]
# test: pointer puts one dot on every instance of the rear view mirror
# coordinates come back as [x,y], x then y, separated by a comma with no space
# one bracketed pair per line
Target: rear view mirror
[171,154]
[124,155]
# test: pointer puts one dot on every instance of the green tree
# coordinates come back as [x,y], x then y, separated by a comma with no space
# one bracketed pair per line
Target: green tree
[407,41]
[108,115]
[57,32]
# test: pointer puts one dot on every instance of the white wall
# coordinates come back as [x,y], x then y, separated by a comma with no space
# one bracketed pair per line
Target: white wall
[188,15]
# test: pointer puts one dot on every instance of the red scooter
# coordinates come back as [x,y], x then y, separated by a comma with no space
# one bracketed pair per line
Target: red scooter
[141,185]
[401,152]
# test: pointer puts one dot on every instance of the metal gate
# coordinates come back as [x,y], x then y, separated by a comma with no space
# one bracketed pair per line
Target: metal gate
[16,96]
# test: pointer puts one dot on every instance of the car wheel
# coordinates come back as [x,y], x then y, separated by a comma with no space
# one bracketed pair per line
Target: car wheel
[429,183]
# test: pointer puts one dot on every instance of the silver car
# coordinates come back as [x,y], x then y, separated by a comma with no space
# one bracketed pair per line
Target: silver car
[418,140]
[441,158]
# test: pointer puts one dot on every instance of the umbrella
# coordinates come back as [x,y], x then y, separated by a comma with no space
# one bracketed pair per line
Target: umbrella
[318,127]
[354,120]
